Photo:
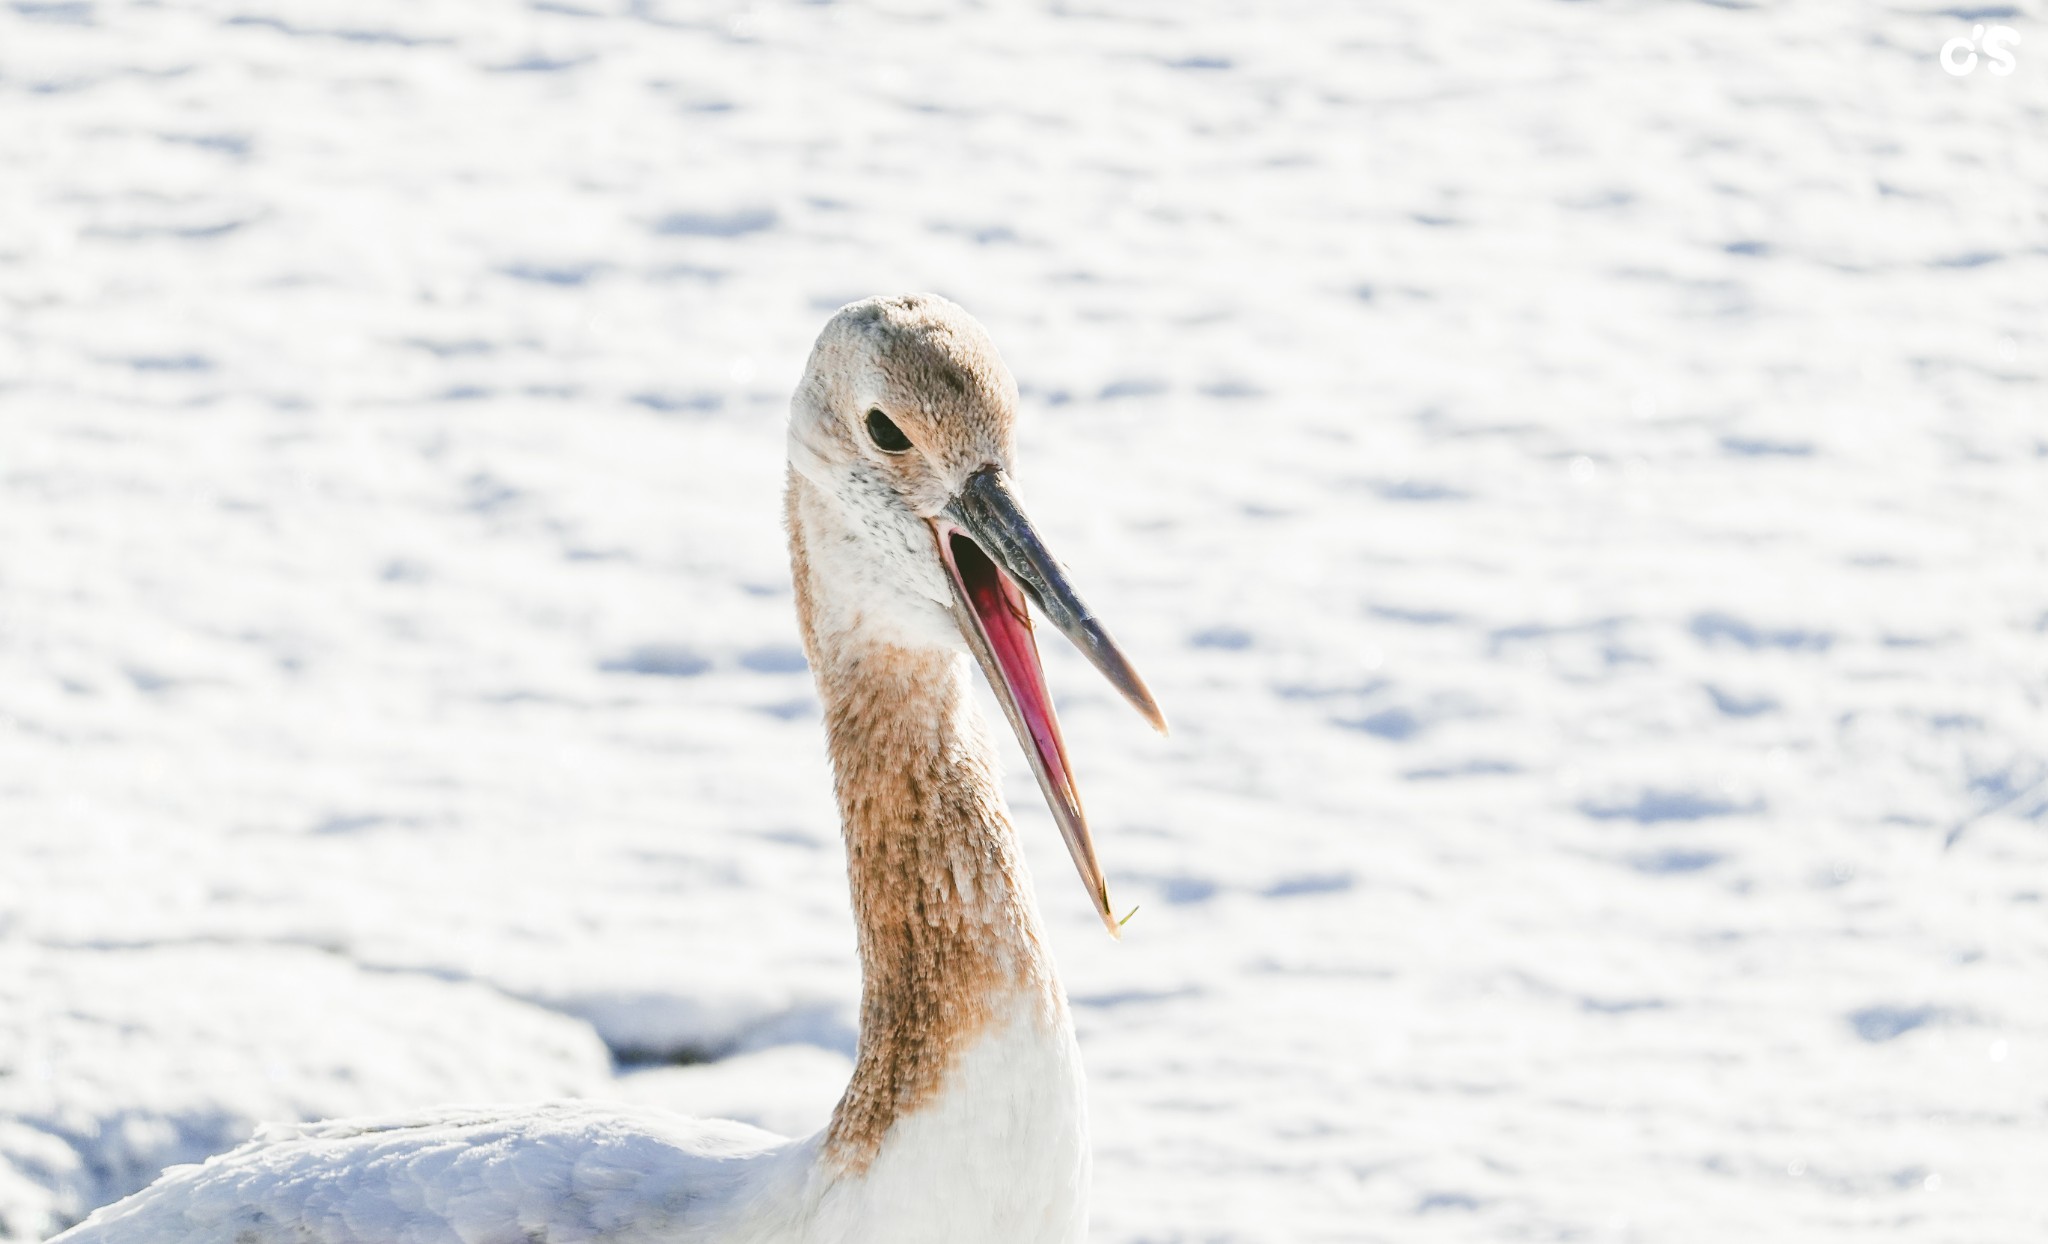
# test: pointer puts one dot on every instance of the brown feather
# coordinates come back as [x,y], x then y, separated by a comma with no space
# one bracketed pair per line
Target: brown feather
[946,934]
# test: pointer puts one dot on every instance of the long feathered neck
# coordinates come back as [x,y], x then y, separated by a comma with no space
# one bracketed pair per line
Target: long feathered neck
[949,940]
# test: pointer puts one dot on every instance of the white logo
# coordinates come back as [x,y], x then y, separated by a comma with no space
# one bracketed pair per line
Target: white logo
[1995,51]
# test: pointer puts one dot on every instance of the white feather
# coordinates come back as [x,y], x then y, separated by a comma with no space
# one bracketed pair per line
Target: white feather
[1001,1155]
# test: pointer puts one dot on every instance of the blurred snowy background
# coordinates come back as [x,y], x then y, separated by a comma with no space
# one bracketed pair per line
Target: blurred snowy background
[1576,476]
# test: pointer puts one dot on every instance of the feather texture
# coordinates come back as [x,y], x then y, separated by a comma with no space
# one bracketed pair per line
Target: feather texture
[564,1172]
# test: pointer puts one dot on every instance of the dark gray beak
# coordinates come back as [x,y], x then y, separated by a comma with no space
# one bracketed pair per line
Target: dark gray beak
[995,561]
[988,511]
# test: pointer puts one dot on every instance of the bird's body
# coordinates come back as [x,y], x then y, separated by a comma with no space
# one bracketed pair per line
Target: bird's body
[965,1119]
[576,1172]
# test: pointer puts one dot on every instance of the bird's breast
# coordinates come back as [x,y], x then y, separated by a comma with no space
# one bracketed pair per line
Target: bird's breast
[998,1155]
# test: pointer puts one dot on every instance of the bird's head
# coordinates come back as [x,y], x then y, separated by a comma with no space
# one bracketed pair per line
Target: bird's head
[906,419]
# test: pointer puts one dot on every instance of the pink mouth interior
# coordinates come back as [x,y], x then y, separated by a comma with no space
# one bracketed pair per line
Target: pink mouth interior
[1006,622]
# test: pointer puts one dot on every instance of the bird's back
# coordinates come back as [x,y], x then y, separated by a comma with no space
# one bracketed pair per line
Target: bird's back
[563,1173]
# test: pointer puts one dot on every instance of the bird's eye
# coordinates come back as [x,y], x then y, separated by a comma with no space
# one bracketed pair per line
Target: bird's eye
[887,436]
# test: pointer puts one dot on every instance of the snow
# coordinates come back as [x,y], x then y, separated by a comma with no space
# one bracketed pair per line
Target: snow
[1573,475]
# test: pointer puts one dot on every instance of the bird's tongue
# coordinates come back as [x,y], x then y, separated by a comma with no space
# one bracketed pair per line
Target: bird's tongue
[1006,622]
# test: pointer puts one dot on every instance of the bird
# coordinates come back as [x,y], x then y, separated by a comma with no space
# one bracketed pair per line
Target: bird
[965,1118]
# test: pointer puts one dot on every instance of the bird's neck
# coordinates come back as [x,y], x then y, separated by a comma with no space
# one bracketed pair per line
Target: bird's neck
[949,940]
[949,943]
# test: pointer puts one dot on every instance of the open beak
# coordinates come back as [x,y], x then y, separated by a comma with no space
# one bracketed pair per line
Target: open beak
[995,560]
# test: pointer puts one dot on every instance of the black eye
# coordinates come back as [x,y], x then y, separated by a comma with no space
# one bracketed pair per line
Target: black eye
[887,436]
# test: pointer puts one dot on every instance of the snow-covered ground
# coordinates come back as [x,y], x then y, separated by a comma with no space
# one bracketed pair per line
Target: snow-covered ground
[1575,475]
